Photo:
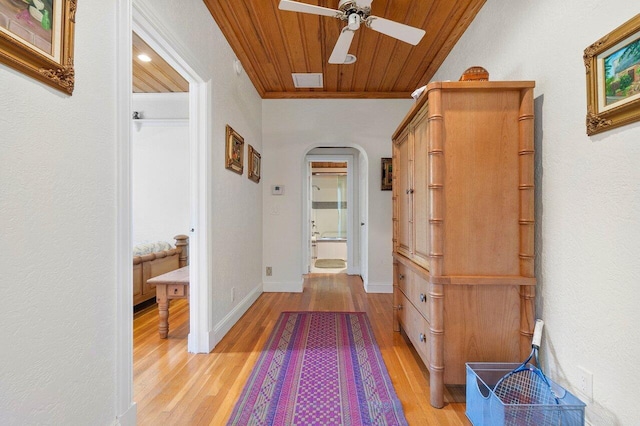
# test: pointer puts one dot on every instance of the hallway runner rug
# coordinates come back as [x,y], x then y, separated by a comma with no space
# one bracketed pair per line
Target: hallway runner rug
[319,368]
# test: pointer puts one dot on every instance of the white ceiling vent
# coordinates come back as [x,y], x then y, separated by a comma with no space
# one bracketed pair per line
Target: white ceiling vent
[307,80]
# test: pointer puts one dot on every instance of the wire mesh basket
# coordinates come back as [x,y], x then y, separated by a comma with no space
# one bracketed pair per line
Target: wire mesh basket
[484,408]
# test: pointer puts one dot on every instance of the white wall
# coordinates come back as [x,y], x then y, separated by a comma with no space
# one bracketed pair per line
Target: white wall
[57,222]
[58,209]
[290,129]
[236,202]
[588,193]
[160,167]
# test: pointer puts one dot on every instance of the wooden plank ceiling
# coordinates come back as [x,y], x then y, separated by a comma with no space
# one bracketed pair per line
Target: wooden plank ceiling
[272,44]
[156,76]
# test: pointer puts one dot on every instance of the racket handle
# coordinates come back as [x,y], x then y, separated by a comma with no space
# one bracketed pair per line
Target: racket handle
[537,334]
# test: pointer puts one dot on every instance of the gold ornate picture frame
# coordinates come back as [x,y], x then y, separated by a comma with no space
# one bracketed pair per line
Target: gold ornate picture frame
[387,174]
[37,38]
[234,158]
[254,164]
[613,78]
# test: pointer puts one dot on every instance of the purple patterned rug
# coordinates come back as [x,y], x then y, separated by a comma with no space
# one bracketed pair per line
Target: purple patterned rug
[319,368]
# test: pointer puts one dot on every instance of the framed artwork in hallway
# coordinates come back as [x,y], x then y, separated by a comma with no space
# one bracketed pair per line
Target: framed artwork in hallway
[234,158]
[254,164]
[387,174]
[613,78]
[36,38]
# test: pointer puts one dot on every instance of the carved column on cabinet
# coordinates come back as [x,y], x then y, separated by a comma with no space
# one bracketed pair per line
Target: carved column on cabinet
[526,186]
[436,224]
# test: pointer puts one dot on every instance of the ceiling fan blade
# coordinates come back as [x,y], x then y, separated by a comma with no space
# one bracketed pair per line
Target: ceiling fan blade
[295,6]
[395,29]
[341,49]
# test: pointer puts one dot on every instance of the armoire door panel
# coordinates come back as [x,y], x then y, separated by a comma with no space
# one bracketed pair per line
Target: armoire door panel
[403,195]
[421,192]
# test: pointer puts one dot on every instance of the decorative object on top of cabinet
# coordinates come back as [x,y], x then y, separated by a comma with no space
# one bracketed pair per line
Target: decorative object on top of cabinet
[613,78]
[475,74]
[43,46]
[254,165]
[387,174]
[463,226]
[234,158]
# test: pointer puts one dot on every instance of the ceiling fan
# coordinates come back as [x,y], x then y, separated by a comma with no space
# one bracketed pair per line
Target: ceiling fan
[355,13]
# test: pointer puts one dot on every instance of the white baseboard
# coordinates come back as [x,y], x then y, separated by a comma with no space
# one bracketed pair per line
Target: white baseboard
[378,287]
[223,327]
[290,287]
[129,417]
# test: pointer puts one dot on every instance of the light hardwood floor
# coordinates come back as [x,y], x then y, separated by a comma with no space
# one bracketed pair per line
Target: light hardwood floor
[173,387]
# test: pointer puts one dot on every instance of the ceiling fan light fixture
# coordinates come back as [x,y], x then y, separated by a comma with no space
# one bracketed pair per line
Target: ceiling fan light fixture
[354,21]
[307,80]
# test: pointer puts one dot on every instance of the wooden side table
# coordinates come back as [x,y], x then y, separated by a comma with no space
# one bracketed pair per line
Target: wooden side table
[172,285]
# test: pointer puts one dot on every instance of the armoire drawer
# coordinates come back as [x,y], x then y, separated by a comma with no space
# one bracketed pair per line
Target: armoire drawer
[415,288]
[415,326]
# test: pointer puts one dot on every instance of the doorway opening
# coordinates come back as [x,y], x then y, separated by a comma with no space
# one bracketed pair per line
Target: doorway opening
[334,211]
[329,217]
[160,169]
[157,37]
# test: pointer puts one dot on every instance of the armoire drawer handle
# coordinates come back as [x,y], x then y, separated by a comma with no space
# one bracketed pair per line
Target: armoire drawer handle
[401,277]
[423,337]
[423,297]
[399,307]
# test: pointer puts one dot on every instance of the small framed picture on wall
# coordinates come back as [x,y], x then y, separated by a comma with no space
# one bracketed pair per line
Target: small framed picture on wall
[234,159]
[254,164]
[387,174]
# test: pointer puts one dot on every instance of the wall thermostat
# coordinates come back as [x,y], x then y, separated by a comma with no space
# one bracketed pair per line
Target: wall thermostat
[277,189]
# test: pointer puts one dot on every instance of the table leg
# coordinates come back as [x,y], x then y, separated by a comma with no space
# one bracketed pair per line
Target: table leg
[163,311]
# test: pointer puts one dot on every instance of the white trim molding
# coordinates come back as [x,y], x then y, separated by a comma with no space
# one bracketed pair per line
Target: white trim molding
[223,327]
[126,413]
[284,287]
[378,287]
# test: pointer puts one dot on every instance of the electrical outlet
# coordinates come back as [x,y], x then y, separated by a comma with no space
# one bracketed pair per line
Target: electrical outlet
[269,271]
[585,383]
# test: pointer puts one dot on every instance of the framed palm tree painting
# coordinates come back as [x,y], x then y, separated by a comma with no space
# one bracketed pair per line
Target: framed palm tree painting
[613,78]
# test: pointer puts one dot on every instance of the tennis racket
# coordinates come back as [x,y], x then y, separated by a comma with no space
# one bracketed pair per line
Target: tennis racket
[528,386]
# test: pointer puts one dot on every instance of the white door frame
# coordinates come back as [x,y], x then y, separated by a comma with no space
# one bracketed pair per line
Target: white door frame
[132,15]
[353,268]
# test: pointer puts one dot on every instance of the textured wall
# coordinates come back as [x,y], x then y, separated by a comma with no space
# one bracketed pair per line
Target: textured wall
[57,222]
[58,217]
[368,124]
[588,193]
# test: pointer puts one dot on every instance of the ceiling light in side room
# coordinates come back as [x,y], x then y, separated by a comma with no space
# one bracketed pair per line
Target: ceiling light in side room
[144,58]
[307,80]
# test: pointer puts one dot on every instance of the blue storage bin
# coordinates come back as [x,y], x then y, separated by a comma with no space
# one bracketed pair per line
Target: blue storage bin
[484,408]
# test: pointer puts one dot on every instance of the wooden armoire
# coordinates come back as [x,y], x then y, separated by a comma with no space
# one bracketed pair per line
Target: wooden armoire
[463,226]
